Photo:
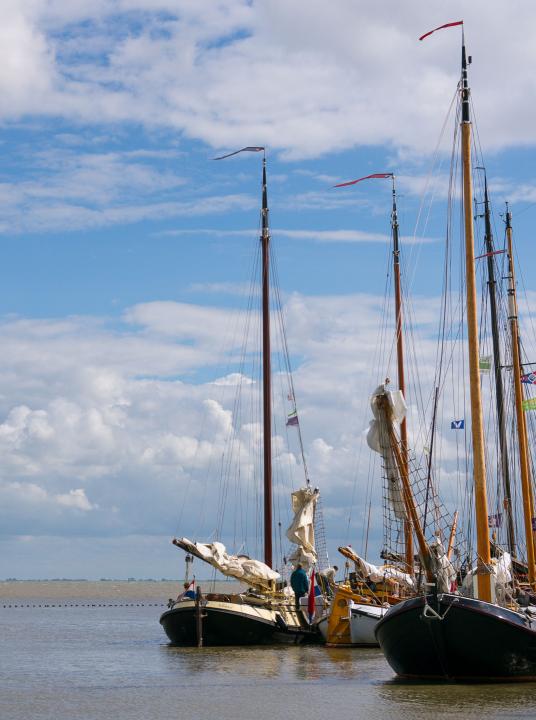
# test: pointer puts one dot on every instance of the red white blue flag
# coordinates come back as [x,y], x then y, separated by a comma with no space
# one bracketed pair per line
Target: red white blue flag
[311,598]
[529,378]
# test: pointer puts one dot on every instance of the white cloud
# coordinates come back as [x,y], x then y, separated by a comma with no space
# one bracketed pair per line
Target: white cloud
[65,189]
[104,409]
[348,236]
[75,499]
[354,75]
[106,432]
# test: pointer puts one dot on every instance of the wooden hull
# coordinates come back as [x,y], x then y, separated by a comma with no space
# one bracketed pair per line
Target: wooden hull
[229,623]
[450,637]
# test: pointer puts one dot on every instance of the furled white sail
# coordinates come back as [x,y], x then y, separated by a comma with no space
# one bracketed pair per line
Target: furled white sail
[378,440]
[501,574]
[377,573]
[301,531]
[241,567]
[442,569]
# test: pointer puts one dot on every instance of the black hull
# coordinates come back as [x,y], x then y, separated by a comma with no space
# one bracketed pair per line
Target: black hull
[230,626]
[468,640]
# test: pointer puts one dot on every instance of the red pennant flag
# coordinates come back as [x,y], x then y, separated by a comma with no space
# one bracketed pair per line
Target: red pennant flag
[367,177]
[311,598]
[446,25]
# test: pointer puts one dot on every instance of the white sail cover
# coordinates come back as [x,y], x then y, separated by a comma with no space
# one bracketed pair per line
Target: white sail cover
[502,574]
[442,568]
[301,531]
[252,572]
[378,440]
[377,573]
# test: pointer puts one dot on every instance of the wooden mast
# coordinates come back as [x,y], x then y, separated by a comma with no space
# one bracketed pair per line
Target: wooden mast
[477,423]
[528,509]
[266,372]
[497,366]
[407,495]
[266,354]
[408,523]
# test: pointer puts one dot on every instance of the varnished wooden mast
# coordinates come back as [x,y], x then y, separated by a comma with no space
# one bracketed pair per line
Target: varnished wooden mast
[477,423]
[407,494]
[528,509]
[266,372]
[408,529]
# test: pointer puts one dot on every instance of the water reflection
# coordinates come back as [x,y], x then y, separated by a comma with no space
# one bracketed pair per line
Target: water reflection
[457,699]
[85,663]
[310,663]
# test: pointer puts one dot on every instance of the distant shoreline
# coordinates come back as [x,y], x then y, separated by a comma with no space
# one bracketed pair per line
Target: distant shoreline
[105,589]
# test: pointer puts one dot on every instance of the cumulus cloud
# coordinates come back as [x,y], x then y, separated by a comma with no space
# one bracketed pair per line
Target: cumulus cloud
[112,423]
[66,188]
[119,441]
[75,499]
[355,70]
[121,427]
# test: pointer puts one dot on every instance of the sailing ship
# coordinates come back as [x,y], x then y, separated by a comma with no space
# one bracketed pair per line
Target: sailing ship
[359,603]
[266,611]
[486,632]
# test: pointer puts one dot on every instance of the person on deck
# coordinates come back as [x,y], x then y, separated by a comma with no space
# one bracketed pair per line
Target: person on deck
[330,574]
[326,580]
[188,593]
[299,583]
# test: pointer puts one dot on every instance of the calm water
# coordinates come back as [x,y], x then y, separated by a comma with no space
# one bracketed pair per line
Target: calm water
[113,662]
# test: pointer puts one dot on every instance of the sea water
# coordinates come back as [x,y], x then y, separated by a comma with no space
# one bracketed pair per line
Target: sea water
[97,652]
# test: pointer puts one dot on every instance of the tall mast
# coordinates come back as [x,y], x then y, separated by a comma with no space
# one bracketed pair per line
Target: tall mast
[408,530]
[266,372]
[477,423]
[528,509]
[497,364]
[266,369]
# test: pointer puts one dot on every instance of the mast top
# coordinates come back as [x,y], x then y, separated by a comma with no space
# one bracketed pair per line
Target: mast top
[508,217]
[466,60]
[394,223]
[264,212]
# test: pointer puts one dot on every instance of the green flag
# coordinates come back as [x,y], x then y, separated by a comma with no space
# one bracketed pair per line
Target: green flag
[485,363]
[529,404]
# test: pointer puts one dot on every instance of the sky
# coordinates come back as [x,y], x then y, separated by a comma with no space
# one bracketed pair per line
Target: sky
[126,249]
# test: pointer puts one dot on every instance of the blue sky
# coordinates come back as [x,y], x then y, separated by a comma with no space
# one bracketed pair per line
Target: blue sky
[125,245]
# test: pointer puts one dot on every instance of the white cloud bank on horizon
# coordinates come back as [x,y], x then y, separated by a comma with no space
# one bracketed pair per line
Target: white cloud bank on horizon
[99,438]
[94,418]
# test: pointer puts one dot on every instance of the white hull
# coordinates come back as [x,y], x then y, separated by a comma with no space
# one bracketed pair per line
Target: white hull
[363,620]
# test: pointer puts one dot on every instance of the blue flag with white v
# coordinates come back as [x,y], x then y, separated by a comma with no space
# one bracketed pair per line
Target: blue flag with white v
[457,425]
